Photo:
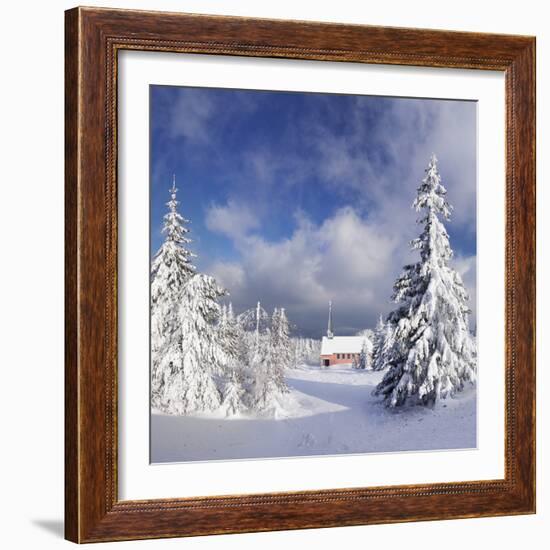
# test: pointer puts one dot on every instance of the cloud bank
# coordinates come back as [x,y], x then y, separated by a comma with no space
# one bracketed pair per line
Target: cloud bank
[313,195]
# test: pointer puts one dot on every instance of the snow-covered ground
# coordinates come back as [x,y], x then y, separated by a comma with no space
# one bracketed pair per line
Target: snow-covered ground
[328,411]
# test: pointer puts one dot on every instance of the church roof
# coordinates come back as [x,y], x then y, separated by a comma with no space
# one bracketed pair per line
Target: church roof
[343,344]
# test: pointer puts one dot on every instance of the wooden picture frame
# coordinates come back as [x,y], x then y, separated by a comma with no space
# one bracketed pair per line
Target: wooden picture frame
[93,511]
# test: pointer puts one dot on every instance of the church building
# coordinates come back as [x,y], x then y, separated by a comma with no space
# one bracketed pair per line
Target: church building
[338,350]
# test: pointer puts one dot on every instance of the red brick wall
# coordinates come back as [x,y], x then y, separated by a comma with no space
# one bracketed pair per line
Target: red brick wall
[335,360]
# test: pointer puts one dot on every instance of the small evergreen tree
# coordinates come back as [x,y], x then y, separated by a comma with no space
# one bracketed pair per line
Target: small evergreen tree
[228,332]
[280,335]
[362,361]
[432,353]
[255,320]
[269,381]
[254,324]
[365,357]
[382,344]
[306,350]
[239,336]
[272,357]
[234,393]
[378,338]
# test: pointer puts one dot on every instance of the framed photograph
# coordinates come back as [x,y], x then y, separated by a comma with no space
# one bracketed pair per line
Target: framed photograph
[300,275]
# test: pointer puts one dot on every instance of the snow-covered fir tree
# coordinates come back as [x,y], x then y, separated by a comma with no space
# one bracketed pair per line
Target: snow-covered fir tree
[378,337]
[280,335]
[193,365]
[272,356]
[365,356]
[171,269]
[269,380]
[239,335]
[254,323]
[382,343]
[255,319]
[432,354]
[228,331]
[231,335]
[234,392]
[363,361]
[306,350]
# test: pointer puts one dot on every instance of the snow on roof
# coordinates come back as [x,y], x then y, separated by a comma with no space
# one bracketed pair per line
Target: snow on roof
[343,344]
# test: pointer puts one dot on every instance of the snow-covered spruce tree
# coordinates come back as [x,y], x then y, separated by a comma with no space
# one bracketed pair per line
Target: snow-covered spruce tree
[382,344]
[227,332]
[363,360]
[433,354]
[378,338]
[365,356]
[192,366]
[238,334]
[280,335]
[231,336]
[254,320]
[269,381]
[306,350]
[254,323]
[234,393]
[170,270]
[273,355]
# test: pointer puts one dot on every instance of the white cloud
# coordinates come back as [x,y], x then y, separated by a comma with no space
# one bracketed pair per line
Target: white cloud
[230,274]
[382,162]
[348,259]
[233,220]
[344,259]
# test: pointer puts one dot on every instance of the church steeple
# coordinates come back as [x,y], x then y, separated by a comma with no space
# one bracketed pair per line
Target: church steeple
[329,328]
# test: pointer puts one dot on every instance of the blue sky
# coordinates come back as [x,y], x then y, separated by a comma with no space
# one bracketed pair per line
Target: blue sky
[297,198]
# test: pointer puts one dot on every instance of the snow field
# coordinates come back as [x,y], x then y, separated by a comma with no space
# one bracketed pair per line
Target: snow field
[328,411]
